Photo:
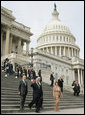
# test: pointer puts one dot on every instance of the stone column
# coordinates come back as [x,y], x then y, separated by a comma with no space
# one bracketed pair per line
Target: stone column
[78,76]
[22,46]
[55,50]
[64,51]
[47,50]
[51,50]
[73,74]
[7,41]
[72,52]
[11,38]
[27,48]
[78,53]
[81,78]
[60,51]
[19,46]
[43,49]
[68,52]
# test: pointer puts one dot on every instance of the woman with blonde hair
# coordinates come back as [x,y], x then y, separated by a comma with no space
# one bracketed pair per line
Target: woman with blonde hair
[56,95]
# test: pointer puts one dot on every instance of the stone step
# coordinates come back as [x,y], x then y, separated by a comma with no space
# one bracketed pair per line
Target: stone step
[15,95]
[15,110]
[44,105]
[16,85]
[16,88]
[10,100]
[30,90]
[27,99]
[44,100]
[15,92]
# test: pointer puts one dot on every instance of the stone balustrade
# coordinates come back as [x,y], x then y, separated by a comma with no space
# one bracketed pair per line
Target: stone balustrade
[76,60]
[15,56]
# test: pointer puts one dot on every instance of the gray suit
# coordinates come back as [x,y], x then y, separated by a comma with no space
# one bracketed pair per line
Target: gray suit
[23,89]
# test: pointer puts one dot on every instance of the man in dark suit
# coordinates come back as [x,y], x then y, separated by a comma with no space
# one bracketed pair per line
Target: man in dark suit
[39,74]
[36,95]
[76,88]
[41,92]
[52,79]
[60,83]
[23,90]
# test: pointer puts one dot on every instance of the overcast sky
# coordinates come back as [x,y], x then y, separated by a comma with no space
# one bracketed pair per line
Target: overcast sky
[36,14]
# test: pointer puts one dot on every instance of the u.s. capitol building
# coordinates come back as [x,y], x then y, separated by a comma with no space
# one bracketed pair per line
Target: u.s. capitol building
[57,52]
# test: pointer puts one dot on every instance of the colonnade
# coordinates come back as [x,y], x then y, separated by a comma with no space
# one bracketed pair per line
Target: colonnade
[9,42]
[62,51]
[79,76]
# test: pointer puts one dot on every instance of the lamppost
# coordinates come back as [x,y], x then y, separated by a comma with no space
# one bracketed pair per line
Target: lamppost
[32,57]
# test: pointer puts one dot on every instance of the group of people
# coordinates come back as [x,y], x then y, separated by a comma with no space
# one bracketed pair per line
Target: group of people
[76,88]
[20,71]
[7,67]
[29,73]
[36,84]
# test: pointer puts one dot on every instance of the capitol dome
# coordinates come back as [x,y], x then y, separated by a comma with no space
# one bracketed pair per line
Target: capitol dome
[56,25]
[57,39]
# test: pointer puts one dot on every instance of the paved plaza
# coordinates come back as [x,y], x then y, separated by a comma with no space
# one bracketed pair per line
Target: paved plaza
[63,111]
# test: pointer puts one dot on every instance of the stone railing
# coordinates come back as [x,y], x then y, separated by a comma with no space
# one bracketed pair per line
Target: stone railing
[76,60]
[15,56]
[21,57]
[9,56]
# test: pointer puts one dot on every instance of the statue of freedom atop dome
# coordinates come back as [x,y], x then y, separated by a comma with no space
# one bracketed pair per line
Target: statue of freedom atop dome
[54,6]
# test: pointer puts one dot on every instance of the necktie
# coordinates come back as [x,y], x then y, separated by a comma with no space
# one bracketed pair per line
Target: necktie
[25,83]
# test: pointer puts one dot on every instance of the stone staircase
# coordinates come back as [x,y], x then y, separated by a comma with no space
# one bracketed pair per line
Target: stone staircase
[10,100]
